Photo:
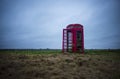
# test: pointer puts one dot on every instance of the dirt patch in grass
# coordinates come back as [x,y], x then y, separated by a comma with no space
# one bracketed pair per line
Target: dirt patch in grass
[59,66]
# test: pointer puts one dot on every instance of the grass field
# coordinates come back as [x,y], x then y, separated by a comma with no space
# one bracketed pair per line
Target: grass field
[52,64]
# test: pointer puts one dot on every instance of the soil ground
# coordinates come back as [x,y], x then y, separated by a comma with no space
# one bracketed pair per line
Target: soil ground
[59,66]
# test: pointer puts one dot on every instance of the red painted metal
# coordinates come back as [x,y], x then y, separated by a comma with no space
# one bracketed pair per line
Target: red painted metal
[73,39]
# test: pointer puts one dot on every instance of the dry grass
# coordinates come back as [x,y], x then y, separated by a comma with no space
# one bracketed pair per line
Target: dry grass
[59,66]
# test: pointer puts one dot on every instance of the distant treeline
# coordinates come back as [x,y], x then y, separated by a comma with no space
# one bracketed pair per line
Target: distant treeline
[30,49]
[58,51]
[61,49]
[102,50]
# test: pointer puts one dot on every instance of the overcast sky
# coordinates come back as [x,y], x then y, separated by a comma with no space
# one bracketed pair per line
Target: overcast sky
[39,23]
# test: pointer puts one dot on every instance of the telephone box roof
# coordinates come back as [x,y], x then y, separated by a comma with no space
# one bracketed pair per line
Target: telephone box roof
[74,26]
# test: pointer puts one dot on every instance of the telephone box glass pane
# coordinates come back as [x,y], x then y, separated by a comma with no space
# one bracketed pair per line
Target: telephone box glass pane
[69,41]
[79,41]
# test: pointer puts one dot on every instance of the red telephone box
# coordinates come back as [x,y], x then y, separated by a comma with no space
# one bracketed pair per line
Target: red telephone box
[73,38]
